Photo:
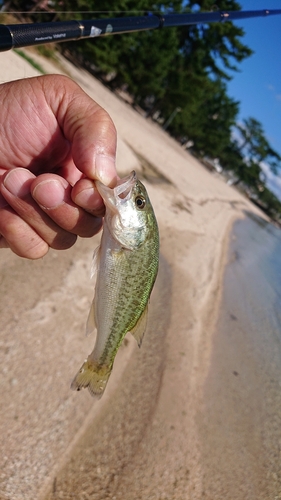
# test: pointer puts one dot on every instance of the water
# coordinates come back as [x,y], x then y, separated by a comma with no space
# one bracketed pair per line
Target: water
[241,422]
[255,271]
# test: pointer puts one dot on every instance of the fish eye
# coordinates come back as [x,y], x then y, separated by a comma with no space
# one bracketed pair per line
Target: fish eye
[140,202]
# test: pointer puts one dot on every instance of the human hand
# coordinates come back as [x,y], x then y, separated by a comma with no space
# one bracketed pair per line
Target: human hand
[55,141]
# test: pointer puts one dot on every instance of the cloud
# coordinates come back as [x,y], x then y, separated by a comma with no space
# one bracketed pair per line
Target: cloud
[272,89]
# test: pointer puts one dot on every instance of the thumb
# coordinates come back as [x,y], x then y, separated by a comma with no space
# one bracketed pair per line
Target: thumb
[87,126]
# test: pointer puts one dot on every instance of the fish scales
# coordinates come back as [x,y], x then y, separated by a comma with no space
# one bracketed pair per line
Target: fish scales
[127,285]
[127,264]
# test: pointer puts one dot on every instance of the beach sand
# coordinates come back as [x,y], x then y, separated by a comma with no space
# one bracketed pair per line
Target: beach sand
[142,440]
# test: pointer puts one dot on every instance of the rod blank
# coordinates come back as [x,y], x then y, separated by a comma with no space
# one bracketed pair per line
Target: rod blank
[23,35]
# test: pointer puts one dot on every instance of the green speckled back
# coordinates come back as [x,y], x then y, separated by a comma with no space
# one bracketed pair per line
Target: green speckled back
[127,269]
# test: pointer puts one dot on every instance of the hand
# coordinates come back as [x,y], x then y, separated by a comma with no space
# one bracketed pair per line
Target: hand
[55,141]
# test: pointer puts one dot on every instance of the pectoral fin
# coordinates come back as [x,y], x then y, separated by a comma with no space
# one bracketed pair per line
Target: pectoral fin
[95,262]
[139,328]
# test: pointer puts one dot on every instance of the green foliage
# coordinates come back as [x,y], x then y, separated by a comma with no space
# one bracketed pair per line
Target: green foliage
[245,157]
[30,60]
[214,47]
[180,74]
[255,146]
[271,203]
[47,51]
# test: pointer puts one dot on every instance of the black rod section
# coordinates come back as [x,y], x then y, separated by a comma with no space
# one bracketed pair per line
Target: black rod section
[23,35]
[210,17]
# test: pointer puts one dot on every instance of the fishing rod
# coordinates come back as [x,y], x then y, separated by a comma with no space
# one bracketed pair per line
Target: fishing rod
[23,35]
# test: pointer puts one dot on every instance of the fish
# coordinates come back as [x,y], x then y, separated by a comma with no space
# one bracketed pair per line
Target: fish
[126,265]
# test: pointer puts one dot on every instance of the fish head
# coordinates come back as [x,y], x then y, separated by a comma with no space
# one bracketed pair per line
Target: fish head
[128,211]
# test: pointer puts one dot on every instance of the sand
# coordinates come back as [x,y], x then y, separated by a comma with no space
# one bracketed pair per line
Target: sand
[141,441]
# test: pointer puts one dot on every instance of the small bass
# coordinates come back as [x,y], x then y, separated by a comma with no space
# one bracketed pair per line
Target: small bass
[126,263]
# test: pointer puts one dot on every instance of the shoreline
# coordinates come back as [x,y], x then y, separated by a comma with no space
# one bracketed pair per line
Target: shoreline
[162,383]
[240,420]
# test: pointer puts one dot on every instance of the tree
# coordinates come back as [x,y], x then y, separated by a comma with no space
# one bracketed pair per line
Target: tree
[271,204]
[207,116]
[214,47]
[254,146]
[245,156]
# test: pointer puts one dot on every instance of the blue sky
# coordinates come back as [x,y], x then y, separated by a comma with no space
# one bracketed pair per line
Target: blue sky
[258,84]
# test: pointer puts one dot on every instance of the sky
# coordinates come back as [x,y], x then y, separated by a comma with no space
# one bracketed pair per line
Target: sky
[257,86]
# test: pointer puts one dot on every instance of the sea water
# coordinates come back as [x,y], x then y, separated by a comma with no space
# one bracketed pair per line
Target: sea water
[255,271]
[240,425]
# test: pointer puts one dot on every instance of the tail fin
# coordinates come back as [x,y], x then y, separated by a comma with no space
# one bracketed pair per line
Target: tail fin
[92,376]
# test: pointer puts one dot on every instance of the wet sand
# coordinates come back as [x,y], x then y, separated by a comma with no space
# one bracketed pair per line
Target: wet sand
[240,427]
[143,439]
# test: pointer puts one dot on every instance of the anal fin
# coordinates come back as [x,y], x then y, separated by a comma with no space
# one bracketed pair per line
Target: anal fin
[139,328]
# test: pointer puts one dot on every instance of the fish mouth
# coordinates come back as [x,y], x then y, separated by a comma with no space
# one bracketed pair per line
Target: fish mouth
[124,186]
[113,197]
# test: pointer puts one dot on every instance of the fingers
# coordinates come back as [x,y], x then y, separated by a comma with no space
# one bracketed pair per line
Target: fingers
[86,125]
[41,214]
[16,189]
[86,195]
[17,235]
[53,194]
